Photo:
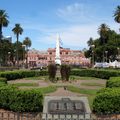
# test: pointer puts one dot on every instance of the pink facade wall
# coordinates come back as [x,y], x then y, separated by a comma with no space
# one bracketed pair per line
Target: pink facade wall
[43,58]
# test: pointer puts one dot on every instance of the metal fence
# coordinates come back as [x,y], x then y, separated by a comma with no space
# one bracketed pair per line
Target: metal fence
[46,116]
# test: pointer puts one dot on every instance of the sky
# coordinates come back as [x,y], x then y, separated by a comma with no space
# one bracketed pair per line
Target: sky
[74,20]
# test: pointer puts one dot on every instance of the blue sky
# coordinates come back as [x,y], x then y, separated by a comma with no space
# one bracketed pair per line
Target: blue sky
[75,20]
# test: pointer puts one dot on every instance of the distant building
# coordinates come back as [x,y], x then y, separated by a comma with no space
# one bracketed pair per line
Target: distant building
[68,56]
[9,38]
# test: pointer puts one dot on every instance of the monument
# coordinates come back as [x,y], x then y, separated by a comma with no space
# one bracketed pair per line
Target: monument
[66,108]
[57,56]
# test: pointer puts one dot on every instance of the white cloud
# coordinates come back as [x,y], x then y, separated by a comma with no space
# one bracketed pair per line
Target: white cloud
[75,36]
[75,12]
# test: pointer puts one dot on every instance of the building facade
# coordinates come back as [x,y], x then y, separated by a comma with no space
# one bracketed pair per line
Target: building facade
[67,56]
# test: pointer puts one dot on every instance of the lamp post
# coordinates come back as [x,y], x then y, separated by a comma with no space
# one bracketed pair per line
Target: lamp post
[106,53]
[118,49]
[93,55]
[9,57]
[23,46]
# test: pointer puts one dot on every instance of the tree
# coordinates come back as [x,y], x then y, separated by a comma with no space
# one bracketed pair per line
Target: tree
[3,21]
[117,14]
[113,42]
[27,42]
[90,42]
[103,32]
[6,48]
[17,31]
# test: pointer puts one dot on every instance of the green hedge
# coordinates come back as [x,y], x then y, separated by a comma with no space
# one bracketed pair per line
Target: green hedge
[3,81]
[107,101]
[20,100]
[12,75]
[113,82]
[104,74]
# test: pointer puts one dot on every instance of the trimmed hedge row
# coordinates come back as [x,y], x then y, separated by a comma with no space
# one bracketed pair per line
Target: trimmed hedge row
[104,74]
[113,82]
[107,101]
[12,75]
[3,81]
[20,100]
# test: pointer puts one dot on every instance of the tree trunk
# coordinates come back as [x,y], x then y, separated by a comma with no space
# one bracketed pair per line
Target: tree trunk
[17,50]
[0,42]
[0,33]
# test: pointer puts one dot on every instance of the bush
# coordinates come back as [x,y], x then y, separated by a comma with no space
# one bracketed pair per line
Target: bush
[107,101]
[12,75]
[19,100]
[104,74]
[65,72]
[113,82]
[52,71]
[3,81]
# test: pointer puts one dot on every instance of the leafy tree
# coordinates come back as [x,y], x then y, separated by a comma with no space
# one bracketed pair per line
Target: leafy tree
[18,30]
[90,42]
[6,50]
[113,42]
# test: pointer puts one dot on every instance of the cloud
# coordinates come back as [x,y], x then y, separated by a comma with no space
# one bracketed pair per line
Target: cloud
[76,12]
[75,36]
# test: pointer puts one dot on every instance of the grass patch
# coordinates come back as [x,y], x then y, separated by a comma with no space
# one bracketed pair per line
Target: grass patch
[46,90]
[26,84]
[90,99]
[93,84]
[37,78]
[82,91]
[88,92]
[72,77]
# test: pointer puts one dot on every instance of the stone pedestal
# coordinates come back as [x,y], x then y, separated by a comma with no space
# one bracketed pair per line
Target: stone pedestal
[58,74]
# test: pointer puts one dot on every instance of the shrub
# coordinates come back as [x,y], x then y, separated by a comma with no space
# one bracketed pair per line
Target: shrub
[19,100]
[12,75]
[65,72]
[107,101]
[4,80]
[52,71]
[104,74]
[113,82]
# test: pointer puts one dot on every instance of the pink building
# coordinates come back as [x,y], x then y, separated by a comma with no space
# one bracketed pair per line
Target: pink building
[43,58]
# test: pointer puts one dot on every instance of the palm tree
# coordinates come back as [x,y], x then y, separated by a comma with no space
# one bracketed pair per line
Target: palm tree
[17,31]
[90,41]
[103,32]
[117,14]
[27,42]
[3,21]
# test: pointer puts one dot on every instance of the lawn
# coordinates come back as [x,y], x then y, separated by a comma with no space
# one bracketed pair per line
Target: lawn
[26,84]
[37,78]
[93,84]
[90,93]
[72,77]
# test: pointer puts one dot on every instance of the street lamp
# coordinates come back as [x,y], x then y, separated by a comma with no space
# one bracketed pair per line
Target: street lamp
[118,53]
[93,55]
[106,53]
[9,57]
